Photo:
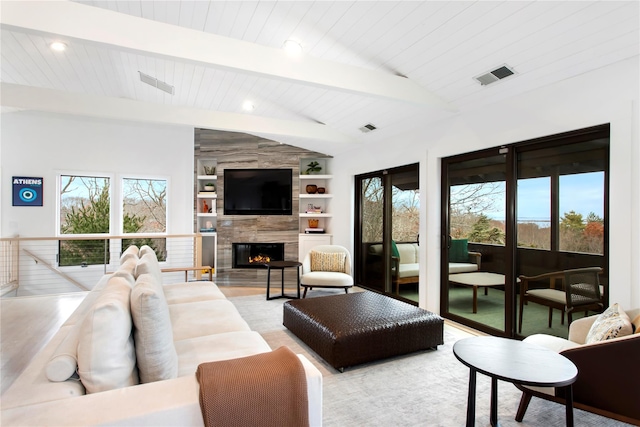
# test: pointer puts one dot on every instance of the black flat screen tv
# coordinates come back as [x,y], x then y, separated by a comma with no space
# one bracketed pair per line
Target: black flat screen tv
[257,191]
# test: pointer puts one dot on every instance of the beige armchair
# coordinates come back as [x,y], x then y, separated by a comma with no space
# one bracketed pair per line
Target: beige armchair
[326,266]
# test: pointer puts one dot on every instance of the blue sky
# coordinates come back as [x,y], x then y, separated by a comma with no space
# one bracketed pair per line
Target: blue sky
[582,193]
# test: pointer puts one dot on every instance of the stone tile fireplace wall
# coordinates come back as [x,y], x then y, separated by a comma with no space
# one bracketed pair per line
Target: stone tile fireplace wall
[234,150]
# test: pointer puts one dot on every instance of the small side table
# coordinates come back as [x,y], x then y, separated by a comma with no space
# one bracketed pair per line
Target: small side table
[517,362]
[281,265]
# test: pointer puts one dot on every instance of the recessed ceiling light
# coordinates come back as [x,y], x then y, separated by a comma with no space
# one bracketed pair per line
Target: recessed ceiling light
[293,47]
[248,106]
[58,46]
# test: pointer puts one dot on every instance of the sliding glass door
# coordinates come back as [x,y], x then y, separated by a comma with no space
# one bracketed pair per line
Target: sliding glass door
[528,209]
[386,256]
[475,243]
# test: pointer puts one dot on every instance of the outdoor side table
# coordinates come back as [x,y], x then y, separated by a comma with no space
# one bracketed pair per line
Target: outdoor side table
[281,265]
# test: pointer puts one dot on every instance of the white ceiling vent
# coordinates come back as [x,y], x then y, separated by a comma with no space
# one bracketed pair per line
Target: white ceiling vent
[368,128]
[152,81]
[495,75]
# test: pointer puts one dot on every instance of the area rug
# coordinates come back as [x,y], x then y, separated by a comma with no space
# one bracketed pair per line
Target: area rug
[427,388]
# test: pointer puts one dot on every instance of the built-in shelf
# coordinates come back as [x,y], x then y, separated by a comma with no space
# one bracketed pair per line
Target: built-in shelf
[315,196]
[316,176]
[207,196]
[206,177]
[207,214]
[315,215]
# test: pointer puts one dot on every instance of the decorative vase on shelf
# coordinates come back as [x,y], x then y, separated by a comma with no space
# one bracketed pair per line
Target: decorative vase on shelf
[209,170]
[313,223]
[312,188]
[321,190]
[205,207]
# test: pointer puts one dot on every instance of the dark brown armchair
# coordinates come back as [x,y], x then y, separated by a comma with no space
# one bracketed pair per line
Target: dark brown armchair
[567,291]
[608,374]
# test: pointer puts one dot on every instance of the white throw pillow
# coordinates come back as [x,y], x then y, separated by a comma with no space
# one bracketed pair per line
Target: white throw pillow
[156,354]
[106,353]
[612,323]
[130,253]
[148,264]
[64,361]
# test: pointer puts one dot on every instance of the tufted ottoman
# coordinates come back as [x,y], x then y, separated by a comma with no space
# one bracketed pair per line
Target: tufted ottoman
[361,327]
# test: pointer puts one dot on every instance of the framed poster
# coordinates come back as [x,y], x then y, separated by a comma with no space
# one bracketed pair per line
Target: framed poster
[27,191]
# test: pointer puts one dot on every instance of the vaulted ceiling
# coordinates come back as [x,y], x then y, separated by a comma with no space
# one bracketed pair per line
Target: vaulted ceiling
[398,65]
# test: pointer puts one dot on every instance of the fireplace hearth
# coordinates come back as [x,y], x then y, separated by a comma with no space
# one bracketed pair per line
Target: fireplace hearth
[255,255]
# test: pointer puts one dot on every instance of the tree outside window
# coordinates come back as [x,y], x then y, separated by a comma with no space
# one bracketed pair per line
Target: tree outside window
[85,208]
[144,210]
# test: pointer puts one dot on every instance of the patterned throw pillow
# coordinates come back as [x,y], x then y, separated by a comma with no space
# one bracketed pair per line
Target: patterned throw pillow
[328,261]
[612,323]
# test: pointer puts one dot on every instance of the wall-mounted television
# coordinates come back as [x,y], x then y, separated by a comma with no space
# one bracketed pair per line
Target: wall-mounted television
[257,191]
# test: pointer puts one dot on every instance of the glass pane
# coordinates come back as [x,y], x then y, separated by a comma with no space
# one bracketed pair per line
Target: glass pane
[84,209]
[478,212]
[405,223]
[534,213]
[582,213]
[476,248]
[84,205]
[372,196]
[144,205]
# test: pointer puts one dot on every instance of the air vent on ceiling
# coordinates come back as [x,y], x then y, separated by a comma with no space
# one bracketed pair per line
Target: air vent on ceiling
[495,75]
[368,128]
[152,81]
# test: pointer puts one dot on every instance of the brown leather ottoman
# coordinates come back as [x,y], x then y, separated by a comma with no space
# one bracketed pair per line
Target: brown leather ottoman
[360,327]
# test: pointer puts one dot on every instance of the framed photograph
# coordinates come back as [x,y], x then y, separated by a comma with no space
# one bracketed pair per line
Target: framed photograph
[27,191]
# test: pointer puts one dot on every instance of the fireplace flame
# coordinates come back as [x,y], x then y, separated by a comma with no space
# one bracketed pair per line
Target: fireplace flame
[259,259]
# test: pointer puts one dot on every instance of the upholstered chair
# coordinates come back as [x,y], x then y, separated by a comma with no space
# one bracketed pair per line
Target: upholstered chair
[326,266]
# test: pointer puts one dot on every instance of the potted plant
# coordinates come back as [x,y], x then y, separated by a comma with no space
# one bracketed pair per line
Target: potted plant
[209,186]
[313,167]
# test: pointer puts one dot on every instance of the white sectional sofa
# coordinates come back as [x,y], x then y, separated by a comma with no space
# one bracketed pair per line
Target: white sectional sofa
[129,353]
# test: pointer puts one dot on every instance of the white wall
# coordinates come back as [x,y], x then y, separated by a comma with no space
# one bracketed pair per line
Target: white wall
[44,145]
[608,95]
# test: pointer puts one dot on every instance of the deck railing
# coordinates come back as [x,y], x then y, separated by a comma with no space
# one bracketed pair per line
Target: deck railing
[34,265]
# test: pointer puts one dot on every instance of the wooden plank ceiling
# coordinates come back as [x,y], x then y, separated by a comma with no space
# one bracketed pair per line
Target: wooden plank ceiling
[397,65]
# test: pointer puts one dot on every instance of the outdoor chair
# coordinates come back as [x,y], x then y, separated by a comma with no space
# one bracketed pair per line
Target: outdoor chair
[567,291]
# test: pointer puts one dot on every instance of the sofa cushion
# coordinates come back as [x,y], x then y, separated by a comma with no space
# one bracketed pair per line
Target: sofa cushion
[551,342]
[394,249]
[326,279]
[462,267]
[612,323]
[327,261]
[459,251]
[196,319]
[157,358]
[106,353]
[178,293]
[211,348]
[408,253]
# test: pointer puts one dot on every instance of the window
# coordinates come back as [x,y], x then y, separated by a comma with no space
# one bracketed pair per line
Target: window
[534,213]
[477,212]
[582,209]
[144,210]
[85,208]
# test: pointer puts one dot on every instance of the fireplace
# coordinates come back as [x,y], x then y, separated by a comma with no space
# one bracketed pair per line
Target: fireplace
[254,255]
